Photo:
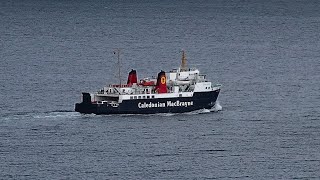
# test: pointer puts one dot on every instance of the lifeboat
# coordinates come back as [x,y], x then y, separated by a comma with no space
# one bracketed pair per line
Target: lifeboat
[182,82]
[147,83]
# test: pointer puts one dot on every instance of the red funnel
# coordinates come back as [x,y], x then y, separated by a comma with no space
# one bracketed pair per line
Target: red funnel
[132,77]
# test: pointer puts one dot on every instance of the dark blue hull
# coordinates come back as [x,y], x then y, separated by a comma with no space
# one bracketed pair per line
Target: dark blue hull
[200,100]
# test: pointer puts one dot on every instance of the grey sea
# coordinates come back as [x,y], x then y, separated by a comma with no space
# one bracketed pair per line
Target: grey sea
[266,54]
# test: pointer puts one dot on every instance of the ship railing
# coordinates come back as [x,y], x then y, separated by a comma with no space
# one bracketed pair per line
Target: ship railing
[120,85]
[101,91]
[217,86]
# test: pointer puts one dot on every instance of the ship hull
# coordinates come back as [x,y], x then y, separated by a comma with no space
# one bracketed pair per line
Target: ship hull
[199,100]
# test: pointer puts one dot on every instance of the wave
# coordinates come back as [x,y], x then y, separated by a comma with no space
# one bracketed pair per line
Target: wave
[71,114]
[41,115]
[200,111]
[217,107]
[56,114]
[156,114]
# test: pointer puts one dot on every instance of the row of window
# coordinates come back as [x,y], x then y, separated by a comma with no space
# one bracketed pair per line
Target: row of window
[141,97]
[146,97]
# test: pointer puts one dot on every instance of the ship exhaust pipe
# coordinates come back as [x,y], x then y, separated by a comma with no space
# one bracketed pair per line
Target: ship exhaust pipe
[132,77]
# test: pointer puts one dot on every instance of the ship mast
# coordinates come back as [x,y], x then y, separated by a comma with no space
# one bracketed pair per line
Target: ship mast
[183,66]
[119,64]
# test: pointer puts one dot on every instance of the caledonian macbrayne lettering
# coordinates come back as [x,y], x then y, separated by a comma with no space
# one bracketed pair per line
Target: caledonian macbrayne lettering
[163,104]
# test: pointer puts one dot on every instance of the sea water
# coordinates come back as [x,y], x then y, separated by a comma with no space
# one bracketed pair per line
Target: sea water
[264,53]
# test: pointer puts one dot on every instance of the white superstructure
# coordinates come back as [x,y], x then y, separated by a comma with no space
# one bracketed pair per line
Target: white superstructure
[181,82]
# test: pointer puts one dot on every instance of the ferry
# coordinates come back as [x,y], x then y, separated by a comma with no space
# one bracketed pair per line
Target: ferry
[177,91]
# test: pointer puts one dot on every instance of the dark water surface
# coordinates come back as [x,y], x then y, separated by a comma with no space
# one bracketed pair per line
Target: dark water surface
[265,53]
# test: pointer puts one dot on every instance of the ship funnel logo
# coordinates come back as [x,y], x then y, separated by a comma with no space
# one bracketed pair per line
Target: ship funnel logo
[163,80]
[161,86]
